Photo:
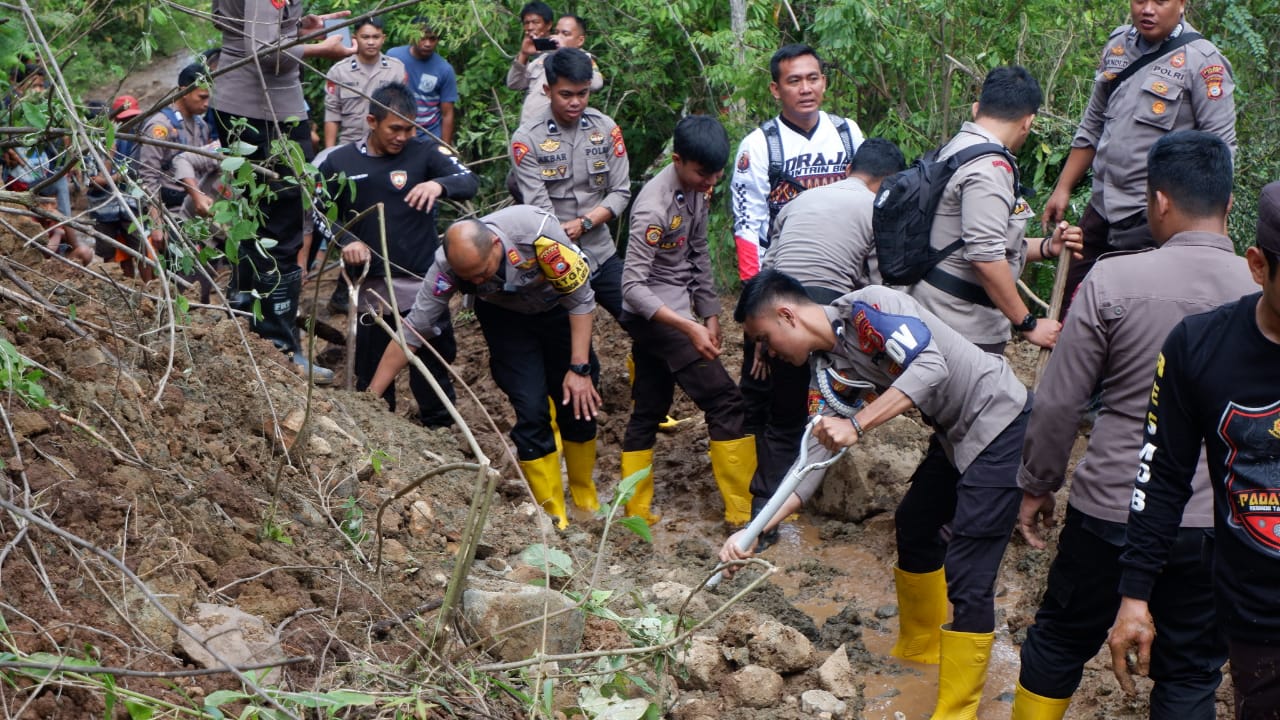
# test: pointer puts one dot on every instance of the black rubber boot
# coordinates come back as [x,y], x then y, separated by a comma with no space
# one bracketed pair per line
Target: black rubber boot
[279,320]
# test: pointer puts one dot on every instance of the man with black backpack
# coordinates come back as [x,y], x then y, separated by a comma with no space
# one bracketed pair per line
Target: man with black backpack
[1156,75]
[978,229]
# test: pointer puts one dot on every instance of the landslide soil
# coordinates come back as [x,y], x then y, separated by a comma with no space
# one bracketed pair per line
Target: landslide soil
[165,449]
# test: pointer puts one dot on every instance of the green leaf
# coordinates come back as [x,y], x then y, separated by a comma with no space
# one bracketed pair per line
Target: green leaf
[232,163]
[638,526]
[555,562]
[138,711]
[218,698]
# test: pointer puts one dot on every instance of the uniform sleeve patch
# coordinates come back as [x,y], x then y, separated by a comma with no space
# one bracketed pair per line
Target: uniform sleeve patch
[330,87]
[619,147]
[653,235]
[159,132]
[563,267]
[744,161]
[815,401]
[443,285]
[518,151]
[1213,76]
[1003,165]
[901,337]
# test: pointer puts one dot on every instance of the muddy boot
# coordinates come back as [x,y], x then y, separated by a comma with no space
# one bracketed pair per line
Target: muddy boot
[279,321]
[634,461]
[1030,706]
[543,475]
[962,672]
[922,608]
[579,462]
[733,462]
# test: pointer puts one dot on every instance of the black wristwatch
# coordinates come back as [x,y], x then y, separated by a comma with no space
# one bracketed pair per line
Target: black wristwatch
[1027,325]
[584,369]
[586,223]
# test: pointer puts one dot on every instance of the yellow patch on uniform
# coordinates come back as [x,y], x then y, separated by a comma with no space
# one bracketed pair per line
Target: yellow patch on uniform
[598,164]
[548,172]
[549,145]
[1158,107]
[563,267]
[653,234]
[1117,50]
[1159,88]
[444,150]
[159,132]
[1178,60]
[815,402]
[597,137]
[1021,207]
[676,222]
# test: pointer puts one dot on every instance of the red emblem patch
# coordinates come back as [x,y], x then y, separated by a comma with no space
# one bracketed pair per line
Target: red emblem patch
[1213,76]
[518,151]
[1003,165]
[330,87]
[653,234]
[619,147]
[399,178]
[815,402]
[513,257]
[744,162]
[1178,60]
[869,339]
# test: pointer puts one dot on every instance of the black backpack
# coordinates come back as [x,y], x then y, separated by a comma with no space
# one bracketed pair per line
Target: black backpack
[903,216]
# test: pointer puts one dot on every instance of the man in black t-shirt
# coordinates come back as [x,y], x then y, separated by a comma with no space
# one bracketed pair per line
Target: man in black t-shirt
[407,176]
[1217,383]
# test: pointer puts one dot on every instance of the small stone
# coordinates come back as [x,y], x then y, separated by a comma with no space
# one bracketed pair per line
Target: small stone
[670,596]
[422,518]
[319,447]
[837,676]
[29,424]
[496,563]
[823,702]
[394,553]
[753,686]
[781,648]
[884,612]
[702,662]
[234,635]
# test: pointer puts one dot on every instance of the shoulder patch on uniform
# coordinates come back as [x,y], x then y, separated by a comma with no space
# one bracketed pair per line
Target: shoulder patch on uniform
[619,147]
[443,285]
[159,131]
[653,235]
[901,337]
[744,161]
[518,151]
[330,87]
[563,267]
[444,150]
[1002,164]
[1213,76]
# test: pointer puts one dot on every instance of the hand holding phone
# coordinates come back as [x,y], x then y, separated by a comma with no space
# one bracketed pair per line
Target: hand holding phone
[545,44]
[343,32]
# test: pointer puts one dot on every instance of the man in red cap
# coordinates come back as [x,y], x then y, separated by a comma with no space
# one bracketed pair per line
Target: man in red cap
[1216,384]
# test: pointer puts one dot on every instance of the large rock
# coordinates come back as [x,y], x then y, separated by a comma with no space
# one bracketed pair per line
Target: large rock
[753,686]
[837,676]
[490,614]
[780,648]
[671,596]
[872,475]
[236,636]
[702,664]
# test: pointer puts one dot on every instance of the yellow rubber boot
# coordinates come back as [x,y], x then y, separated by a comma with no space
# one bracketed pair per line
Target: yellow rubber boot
[633,461]
[543,475]
[555,428]
[579,462]
[733,462]
[1030,706]
[962,672]
[922,609]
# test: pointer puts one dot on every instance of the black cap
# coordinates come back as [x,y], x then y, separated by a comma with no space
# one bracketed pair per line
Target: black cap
[191,74]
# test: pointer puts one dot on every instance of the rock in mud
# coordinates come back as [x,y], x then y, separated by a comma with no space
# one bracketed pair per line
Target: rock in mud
[670,596]
[489,613]
[837,676]
[821,702]
[780,648]
[236,636]
[845,628]
[702,664]
[29,424]
[872,476]
[753,686]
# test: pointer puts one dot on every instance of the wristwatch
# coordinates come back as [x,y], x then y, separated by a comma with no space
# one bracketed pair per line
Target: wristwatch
[1027,325]
[584,369]
[586,223]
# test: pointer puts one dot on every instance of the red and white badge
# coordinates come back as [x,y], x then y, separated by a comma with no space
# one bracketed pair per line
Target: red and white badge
[399,178]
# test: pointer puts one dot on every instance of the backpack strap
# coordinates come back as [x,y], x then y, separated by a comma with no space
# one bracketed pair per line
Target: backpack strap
[846,136]
[773,140]
[1166,47]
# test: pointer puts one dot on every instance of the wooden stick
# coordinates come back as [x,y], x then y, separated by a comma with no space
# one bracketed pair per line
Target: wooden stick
[1055,306]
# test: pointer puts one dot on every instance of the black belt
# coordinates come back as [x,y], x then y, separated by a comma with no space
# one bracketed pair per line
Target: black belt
[954,286]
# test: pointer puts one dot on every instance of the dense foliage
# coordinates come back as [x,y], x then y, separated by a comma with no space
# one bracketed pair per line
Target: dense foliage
[907,71]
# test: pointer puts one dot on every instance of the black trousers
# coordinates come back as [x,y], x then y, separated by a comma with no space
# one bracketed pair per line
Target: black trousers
[1098,236]
[606,283]
[282,210]
[528,357]
[371,342]
[664,357]
[1080,604]
[1255,672]
[962,522]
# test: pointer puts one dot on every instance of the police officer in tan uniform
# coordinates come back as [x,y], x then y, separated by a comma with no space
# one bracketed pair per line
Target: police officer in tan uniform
[351,82]
[1185,84]
[535,306]
[671,311]
[974,288]
[531,76]
[182,123]
[572,161]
